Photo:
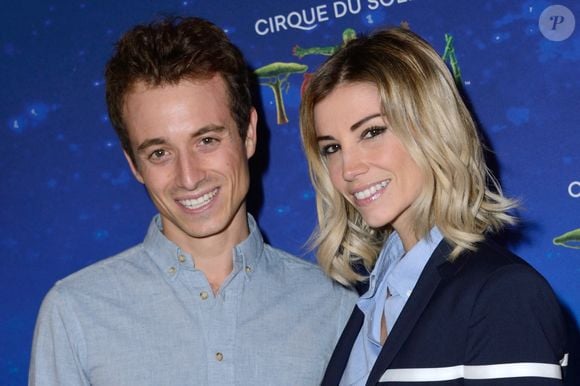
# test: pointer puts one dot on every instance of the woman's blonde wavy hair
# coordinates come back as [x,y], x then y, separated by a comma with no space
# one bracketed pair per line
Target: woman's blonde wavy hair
[424,109]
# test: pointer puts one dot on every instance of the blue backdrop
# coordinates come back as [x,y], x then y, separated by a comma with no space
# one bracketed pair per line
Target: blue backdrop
[69,197]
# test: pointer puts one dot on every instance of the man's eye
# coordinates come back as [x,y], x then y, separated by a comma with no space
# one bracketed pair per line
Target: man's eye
[158,154]
[208,140]
[373,132]
[329,149]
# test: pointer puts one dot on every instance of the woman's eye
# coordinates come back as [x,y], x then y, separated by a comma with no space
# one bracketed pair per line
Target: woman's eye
[329,149]
[373,131]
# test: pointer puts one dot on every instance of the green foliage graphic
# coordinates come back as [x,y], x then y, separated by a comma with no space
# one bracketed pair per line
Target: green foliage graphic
[347,35]
[449,55]
[275,75]
[569,239]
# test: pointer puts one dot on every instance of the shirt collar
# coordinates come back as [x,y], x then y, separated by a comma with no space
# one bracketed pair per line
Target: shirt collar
[402,278]
[170,258]
[391,252]
[401,274]
[247,254]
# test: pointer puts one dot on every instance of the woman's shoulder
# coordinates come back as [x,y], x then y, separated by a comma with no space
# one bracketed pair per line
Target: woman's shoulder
[495,273]
[491,259]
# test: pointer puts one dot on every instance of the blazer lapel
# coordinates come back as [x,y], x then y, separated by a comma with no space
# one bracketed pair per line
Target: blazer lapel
[424,289]
[341,353]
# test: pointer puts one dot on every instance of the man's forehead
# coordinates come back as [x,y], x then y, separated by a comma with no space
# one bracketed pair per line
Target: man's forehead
[143,84]
[157,110]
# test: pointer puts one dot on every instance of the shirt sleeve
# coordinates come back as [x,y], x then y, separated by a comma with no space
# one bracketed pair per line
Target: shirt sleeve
[55,348]
[517,333]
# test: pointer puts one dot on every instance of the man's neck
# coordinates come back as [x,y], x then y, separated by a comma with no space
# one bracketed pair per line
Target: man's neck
[215,260]
[213,255]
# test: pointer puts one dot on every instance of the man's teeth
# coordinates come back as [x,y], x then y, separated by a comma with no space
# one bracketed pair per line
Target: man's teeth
[370,191]
[198,202]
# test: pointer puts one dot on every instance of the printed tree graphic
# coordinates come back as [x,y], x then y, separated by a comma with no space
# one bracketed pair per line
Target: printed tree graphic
[275,75]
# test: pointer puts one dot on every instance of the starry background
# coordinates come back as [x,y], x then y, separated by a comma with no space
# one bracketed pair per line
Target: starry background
[69,197]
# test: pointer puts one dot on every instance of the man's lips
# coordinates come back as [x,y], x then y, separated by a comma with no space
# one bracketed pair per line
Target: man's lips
[195,203]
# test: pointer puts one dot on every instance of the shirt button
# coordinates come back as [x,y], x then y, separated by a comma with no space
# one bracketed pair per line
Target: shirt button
[171,270]
[181,259]
[248,269]
[203,295]
[219,356]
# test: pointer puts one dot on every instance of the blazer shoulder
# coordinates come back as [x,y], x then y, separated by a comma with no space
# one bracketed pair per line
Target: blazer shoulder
[493,269]
[489,258]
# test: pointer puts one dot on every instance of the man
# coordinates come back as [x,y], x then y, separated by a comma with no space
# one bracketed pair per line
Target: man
[202,301]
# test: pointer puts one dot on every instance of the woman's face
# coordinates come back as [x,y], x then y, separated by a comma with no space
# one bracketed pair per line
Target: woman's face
[367,163]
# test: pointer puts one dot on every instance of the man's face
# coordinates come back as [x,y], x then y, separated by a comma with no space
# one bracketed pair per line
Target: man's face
[191,158]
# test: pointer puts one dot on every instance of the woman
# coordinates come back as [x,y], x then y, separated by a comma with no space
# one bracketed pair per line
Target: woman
[403,192]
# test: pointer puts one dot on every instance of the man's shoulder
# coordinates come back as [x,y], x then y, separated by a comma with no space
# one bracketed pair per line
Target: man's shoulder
[287,261]
[98,275]
[286,267]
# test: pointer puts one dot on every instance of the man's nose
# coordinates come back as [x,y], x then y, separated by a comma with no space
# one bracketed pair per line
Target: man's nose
[189,172]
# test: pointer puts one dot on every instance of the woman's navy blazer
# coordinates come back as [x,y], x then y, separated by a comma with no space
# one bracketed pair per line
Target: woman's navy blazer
[488,318]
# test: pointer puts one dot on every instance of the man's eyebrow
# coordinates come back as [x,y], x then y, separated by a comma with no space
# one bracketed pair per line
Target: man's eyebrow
[151,142]
[162,141]
[208,129]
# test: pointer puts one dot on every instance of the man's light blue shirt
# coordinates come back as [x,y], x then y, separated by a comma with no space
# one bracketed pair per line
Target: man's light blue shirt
[148,317]
[390,285]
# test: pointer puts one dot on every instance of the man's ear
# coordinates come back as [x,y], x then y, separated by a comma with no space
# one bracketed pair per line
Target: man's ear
[133,167]
[251,134]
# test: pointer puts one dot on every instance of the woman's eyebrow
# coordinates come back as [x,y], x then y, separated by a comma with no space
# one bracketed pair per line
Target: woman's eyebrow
[356,125]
